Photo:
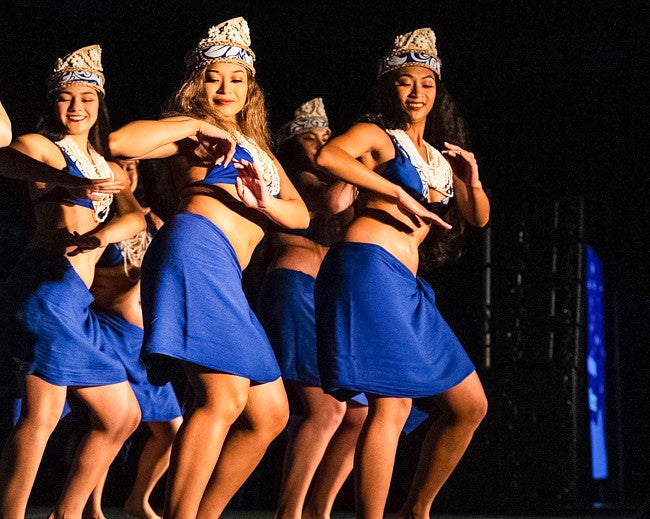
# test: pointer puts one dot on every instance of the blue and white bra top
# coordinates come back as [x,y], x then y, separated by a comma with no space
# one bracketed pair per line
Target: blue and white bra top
[418,176]
[246,149]
[79,165]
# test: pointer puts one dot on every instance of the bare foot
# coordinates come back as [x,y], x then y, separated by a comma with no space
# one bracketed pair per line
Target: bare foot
[91,513]
[140,510]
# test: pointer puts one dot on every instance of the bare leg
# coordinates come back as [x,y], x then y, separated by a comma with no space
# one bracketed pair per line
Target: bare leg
[152,465]
[323,415]
[93,508]
[336,465]
[463,408]
[218,400]
[115,414]
[41,410]
[264,417]
[375,454]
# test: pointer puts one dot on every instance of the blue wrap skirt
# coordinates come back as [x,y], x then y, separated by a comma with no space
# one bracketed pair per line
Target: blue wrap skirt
[286,310]
[378,328]
[49,327]
[158,403]
[194,306]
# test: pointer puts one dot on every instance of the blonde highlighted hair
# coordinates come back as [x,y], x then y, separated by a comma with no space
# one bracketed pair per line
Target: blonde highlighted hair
[190,99]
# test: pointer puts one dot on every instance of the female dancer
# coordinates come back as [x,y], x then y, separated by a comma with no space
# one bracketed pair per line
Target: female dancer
[377,324]
[286,310]
[116,289]
[51,328]
[196,316]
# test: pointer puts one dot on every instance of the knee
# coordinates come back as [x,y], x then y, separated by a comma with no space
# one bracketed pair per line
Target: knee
[269,424]
[390,413]
[226,409]
[472,413]
[129,421]
[41,423]
[328,415]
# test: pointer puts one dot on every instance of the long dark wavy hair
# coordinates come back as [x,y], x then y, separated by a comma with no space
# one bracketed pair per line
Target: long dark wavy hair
[444,124]
[51,127]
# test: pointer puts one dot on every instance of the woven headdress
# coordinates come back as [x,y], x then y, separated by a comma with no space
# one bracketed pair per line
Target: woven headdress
[308,116]
[81,66]
[413,49]
[228,42]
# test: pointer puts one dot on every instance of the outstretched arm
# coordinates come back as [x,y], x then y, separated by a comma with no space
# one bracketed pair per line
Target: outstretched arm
[5,127]
[25,160]
[160,139]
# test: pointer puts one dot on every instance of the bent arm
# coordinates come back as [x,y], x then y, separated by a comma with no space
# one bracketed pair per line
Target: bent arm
[164,138]
[472,202]
[365,141]
[289,209]
[130,218]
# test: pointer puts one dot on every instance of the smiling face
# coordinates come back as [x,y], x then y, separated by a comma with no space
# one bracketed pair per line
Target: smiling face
[226,88]
[311,141]
[77,106]
[416,90]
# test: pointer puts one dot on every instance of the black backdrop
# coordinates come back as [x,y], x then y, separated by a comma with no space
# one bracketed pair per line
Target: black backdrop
[555,94]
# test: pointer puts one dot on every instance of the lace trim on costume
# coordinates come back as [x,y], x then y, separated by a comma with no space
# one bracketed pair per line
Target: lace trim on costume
[93,167]
[263,162]
[435,172]
[133,250]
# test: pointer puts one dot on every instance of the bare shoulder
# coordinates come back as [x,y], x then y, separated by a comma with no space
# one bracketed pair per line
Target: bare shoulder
[39,147]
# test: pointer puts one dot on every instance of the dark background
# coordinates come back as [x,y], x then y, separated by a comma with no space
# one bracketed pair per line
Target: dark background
[556,97]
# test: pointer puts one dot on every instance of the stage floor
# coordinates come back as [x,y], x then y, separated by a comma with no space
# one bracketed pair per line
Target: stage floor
[116,513]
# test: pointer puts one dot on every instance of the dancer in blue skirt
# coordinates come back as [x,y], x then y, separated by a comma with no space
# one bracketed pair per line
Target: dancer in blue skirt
[196,316]
[48,327]
[378,328]
[320,446]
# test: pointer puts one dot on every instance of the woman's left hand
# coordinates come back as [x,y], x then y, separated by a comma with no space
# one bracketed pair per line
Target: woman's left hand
[82,242]
[463,163]
[251,189]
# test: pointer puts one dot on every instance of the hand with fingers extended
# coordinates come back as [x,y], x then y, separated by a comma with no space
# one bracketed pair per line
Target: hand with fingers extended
[251,189]
[409,205]
[214,144]
[463,163]
[82,242]
[92,189]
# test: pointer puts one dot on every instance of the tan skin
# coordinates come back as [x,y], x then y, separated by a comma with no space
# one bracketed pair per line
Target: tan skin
[114,410]
[236,418]
[358,157]
[5,127]
[329,426]
[117,291]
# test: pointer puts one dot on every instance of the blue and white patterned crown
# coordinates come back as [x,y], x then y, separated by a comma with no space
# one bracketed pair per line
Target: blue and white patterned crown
[308,116]
[229,41]
[413,49]
[81,66]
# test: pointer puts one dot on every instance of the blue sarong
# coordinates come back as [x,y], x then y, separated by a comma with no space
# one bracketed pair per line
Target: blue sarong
[49,326]
[378,328]
[286,310]
[194,306]
[158,403]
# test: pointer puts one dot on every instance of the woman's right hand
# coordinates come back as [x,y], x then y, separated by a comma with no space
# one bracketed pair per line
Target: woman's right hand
[414,209]
[91,188]
[214,143]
